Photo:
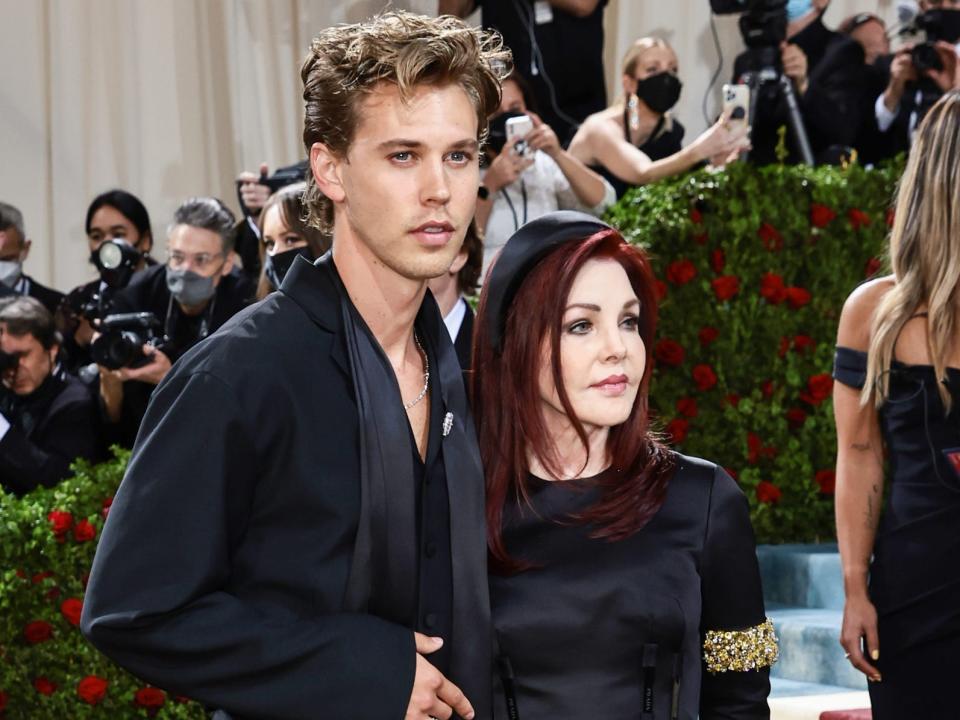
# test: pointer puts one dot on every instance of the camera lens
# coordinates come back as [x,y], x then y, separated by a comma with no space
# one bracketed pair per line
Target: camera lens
[110,255]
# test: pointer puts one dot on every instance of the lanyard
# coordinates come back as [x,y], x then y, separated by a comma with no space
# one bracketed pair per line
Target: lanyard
[523,194]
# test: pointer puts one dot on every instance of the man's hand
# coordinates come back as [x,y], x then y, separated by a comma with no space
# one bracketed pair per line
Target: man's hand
[252,192]
[945,79]
[901,73]
[506,167]
[433,695]
[153,372]
[794,62]
[542,137]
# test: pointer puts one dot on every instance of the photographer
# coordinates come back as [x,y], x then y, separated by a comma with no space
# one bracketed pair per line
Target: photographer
[191,296]
[47,419]
[530,176]
[14,249]
[920,74]
[114,216]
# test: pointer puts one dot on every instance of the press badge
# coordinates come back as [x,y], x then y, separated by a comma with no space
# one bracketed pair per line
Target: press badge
[542,12]
[953,457]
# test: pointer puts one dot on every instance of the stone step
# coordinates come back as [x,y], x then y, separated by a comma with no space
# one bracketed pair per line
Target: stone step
[802,575]
[809,648]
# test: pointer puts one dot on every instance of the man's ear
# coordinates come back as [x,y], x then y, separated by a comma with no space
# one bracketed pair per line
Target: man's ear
[25,250]
[228,263]
[458,262]
[325,166]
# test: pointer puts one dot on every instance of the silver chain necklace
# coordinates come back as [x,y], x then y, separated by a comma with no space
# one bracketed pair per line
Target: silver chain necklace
[426,375]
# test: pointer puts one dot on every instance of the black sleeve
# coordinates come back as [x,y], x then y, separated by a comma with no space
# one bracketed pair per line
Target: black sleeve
[832,104]
[159,600]
[733,601]
[27,463]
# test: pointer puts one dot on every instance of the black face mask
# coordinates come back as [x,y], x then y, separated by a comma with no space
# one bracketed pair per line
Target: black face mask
[498,129]
[275,267]
[942,24]
[660,92]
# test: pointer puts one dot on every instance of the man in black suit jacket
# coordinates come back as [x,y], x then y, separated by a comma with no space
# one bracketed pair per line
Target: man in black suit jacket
[47,420]
[14,249]
[451,290]
[300,533]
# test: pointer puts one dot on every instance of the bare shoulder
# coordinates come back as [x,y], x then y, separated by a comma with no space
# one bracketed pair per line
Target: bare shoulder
[857,315]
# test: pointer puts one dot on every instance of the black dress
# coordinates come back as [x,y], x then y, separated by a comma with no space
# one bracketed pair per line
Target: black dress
[621,630]
[915,572]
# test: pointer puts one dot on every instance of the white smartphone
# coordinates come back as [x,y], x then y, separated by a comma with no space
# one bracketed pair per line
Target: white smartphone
[519,127]
[736,101]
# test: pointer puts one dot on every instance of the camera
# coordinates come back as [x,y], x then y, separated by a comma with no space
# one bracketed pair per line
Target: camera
[9,361]
[935,25]
[117,262]
[124,335]
[763,23]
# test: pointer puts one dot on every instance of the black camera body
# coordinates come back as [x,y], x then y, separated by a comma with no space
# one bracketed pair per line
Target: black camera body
[124,335]
[9,361]
[763,23]
[935,25]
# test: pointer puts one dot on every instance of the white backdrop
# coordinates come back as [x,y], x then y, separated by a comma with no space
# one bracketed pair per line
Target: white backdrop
[171,98]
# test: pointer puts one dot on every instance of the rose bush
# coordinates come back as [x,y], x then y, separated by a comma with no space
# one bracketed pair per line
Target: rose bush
[754,266]
[49,671]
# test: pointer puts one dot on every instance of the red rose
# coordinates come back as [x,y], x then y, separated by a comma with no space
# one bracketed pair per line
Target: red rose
[872,267]
[149,697]
[677,430]
[767,492]
[718,260]
[797,297]
[669,352]
[83,531]
[802,343]
[766,388]
[44,686]
[41,576]
[784,346]
[106,507]
[858,218]
[696,217]
[772,288]
[660,289]
[701,238]
[827,480]
[732,473]
[796,417]
[687,406]
[771,237]
[733,399]
[754,446]
[890,217]
[61,522]
[725,286]
[707,335]
[821,215]
[680,272]
[820,388]
[37,631]
[92,689]
[182,699]
[53,593]
[704,377]
[3,700]
[71,609]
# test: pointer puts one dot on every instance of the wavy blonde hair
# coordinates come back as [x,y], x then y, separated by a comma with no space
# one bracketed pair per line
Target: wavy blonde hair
[924,251]
[347,62]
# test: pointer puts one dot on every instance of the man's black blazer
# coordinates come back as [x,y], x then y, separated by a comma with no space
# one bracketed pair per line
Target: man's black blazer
[464,342]
[222,568]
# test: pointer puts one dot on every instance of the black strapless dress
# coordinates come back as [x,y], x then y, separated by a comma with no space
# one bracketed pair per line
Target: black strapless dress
[668,623]
[915,571]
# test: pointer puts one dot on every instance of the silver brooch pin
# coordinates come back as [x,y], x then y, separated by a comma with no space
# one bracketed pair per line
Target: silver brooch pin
[447,423]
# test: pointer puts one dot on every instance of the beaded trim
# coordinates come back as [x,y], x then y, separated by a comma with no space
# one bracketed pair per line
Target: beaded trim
[741,650]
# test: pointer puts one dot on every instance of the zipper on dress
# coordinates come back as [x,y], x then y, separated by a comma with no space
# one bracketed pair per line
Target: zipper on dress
[509,688]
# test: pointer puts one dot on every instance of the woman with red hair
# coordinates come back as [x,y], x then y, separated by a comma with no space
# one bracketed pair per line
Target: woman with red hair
[624,579]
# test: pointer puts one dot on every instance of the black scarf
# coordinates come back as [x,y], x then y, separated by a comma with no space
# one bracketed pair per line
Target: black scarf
[383,571]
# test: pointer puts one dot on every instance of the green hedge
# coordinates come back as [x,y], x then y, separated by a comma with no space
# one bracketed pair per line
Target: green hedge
[754,266]
[47,669]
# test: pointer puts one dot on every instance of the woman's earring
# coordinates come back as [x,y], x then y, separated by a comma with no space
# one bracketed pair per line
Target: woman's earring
[633,114]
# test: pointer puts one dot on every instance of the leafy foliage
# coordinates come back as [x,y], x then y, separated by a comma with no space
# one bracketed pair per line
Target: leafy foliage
[754,267]
[47,668]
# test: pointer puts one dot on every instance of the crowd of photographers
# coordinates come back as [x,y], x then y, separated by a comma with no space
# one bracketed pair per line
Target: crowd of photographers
[78,369]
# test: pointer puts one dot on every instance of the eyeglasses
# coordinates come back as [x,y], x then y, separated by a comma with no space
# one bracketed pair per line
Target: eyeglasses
[201,261]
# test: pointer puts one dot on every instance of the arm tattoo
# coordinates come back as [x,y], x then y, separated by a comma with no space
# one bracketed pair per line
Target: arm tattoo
[871,514]
[861,447]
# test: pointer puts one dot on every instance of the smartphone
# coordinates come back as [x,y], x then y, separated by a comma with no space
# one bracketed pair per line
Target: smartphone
[519,127]
[736,101]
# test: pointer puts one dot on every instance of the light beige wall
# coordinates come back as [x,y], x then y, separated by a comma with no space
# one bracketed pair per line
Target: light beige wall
[169,98]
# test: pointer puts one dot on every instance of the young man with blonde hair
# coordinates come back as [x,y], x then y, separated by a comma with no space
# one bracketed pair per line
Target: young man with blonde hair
[301,535]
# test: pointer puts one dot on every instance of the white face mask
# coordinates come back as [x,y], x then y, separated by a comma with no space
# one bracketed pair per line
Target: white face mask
[10,272]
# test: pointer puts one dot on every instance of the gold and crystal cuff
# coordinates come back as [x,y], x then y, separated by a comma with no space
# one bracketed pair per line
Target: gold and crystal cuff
[741,650]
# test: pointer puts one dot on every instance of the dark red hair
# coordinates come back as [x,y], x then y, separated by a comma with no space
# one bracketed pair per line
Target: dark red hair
[507,404]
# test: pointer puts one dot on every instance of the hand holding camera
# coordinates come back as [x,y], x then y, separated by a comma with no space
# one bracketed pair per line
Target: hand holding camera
[507,167]
[542,137]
